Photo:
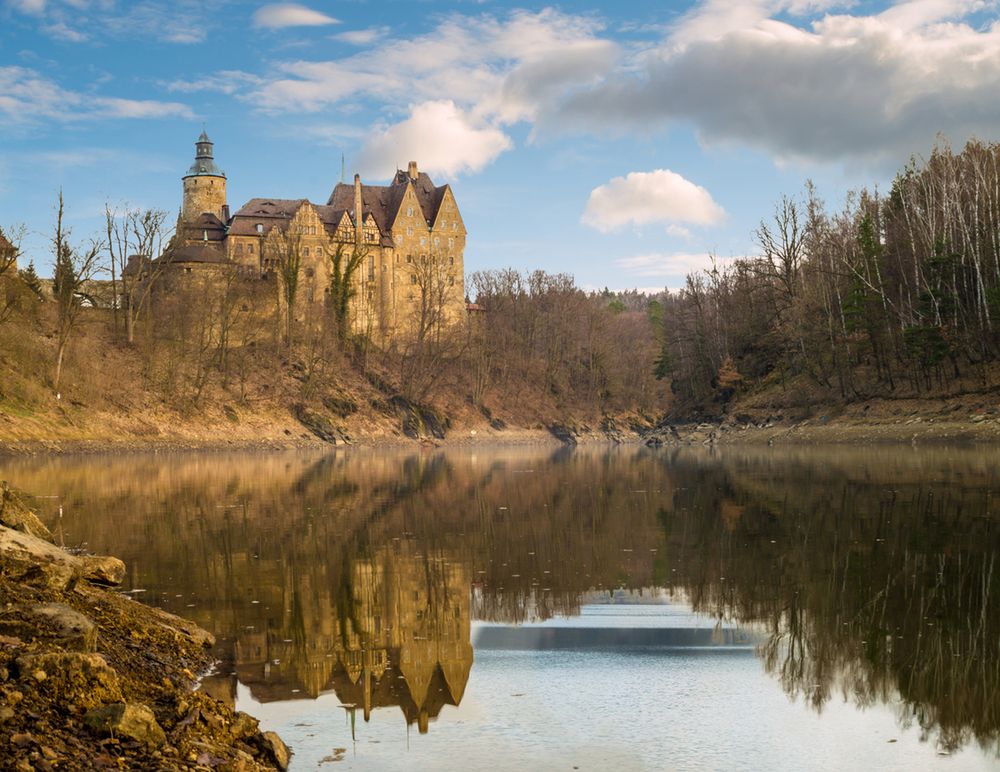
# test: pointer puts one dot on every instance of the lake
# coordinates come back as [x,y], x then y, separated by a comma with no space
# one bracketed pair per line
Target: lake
[588,608]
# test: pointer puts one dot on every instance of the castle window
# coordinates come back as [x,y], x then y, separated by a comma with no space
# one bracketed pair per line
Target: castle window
[409,211]
[239,249]
[437,241]
[409,258]
[409,231]
[312,230]
[305,252]
[454,225]
[260,227]
[310,272]
[423,241]
[413,278]
[451,281]
[451,260]
[250,248]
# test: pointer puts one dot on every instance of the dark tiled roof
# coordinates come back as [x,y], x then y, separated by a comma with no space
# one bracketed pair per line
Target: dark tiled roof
[267,211]
[194,254]
[206,224]
[383,201]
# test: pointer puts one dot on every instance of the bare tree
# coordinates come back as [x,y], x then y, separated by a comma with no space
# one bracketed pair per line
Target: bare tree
[134,238]
[10,284]
[73,269]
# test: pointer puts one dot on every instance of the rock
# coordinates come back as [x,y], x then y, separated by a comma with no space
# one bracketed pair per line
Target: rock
[29,559]
[74,630]
[278,750]
[565,434]
[103,569]
[73,677]
[14,513]
[244,725]
[127,719]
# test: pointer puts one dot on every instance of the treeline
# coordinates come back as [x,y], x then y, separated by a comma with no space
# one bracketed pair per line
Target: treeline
[533,348]
[895,293]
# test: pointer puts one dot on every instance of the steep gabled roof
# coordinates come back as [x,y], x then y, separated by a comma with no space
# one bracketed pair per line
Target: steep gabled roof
[383,201]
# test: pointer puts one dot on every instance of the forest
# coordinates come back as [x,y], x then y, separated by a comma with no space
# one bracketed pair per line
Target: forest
[895,294]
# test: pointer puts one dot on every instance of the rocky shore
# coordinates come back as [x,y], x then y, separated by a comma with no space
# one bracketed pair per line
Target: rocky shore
[91,679]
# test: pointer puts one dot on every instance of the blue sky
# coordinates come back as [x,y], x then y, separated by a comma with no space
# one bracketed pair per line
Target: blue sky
[623,142]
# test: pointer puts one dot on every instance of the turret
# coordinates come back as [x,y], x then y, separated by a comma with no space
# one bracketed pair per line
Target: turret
[204,185]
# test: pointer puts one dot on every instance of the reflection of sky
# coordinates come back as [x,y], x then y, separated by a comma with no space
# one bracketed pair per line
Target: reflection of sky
[655,709]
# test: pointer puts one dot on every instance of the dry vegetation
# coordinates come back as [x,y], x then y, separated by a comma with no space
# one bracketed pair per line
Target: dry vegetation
[213,357]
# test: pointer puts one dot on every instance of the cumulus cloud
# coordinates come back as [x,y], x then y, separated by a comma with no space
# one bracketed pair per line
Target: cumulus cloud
[799,79]
[27,96]
[674,265]
[840,86]
[440,136]
[640,198]
[281,15]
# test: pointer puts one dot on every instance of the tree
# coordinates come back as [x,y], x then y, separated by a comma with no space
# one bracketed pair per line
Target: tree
[73,269]
[286,257]
[10,284]
[344,264]
[134,238]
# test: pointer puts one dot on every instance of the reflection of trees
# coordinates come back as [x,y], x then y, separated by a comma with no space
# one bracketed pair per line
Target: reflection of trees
[872,572]
[870,585]
[353,572]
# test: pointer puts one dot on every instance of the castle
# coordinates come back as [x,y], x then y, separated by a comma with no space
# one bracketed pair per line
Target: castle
[408,236]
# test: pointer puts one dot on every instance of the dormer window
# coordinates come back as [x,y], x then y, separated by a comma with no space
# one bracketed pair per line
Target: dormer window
[260,228]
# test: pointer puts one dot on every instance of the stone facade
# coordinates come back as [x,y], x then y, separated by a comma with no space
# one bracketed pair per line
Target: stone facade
[409,236]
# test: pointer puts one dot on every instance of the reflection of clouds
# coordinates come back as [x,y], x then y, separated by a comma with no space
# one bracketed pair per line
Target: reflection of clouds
[872,572]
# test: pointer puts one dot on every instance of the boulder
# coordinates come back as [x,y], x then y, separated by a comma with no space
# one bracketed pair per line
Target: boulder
[278,750]
[73,629]
[103,569]
[29,559]
[72,677]
[127,719]
[14,513]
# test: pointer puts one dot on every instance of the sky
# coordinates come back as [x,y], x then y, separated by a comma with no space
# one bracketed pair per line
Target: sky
[624,142]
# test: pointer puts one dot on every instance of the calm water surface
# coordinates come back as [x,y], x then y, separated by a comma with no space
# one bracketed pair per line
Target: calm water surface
[578,609]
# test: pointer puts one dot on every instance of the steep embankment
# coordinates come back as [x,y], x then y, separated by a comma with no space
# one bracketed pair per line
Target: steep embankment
[90,679]
[118,397]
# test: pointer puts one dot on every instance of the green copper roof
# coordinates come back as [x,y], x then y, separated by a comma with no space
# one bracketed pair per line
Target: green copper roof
[204,163]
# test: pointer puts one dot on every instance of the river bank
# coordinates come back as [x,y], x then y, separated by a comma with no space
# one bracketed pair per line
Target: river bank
[92,679]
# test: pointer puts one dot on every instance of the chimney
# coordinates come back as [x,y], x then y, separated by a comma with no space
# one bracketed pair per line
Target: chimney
[225,214]
[358,213]
[412,171]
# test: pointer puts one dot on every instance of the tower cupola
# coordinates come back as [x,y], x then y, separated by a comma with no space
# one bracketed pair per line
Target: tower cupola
[204,185]
[204,160]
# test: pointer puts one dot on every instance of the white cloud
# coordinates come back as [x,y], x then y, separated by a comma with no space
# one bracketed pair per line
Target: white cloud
[831,87]
[34,7]
[678,264]
[640,198]
[282,15]
[439,136]
[362,37]
[27,96]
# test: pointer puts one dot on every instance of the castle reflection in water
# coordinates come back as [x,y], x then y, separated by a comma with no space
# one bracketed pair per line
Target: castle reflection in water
[399,636]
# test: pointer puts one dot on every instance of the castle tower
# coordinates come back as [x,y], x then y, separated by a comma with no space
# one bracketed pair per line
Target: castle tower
[204,185]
